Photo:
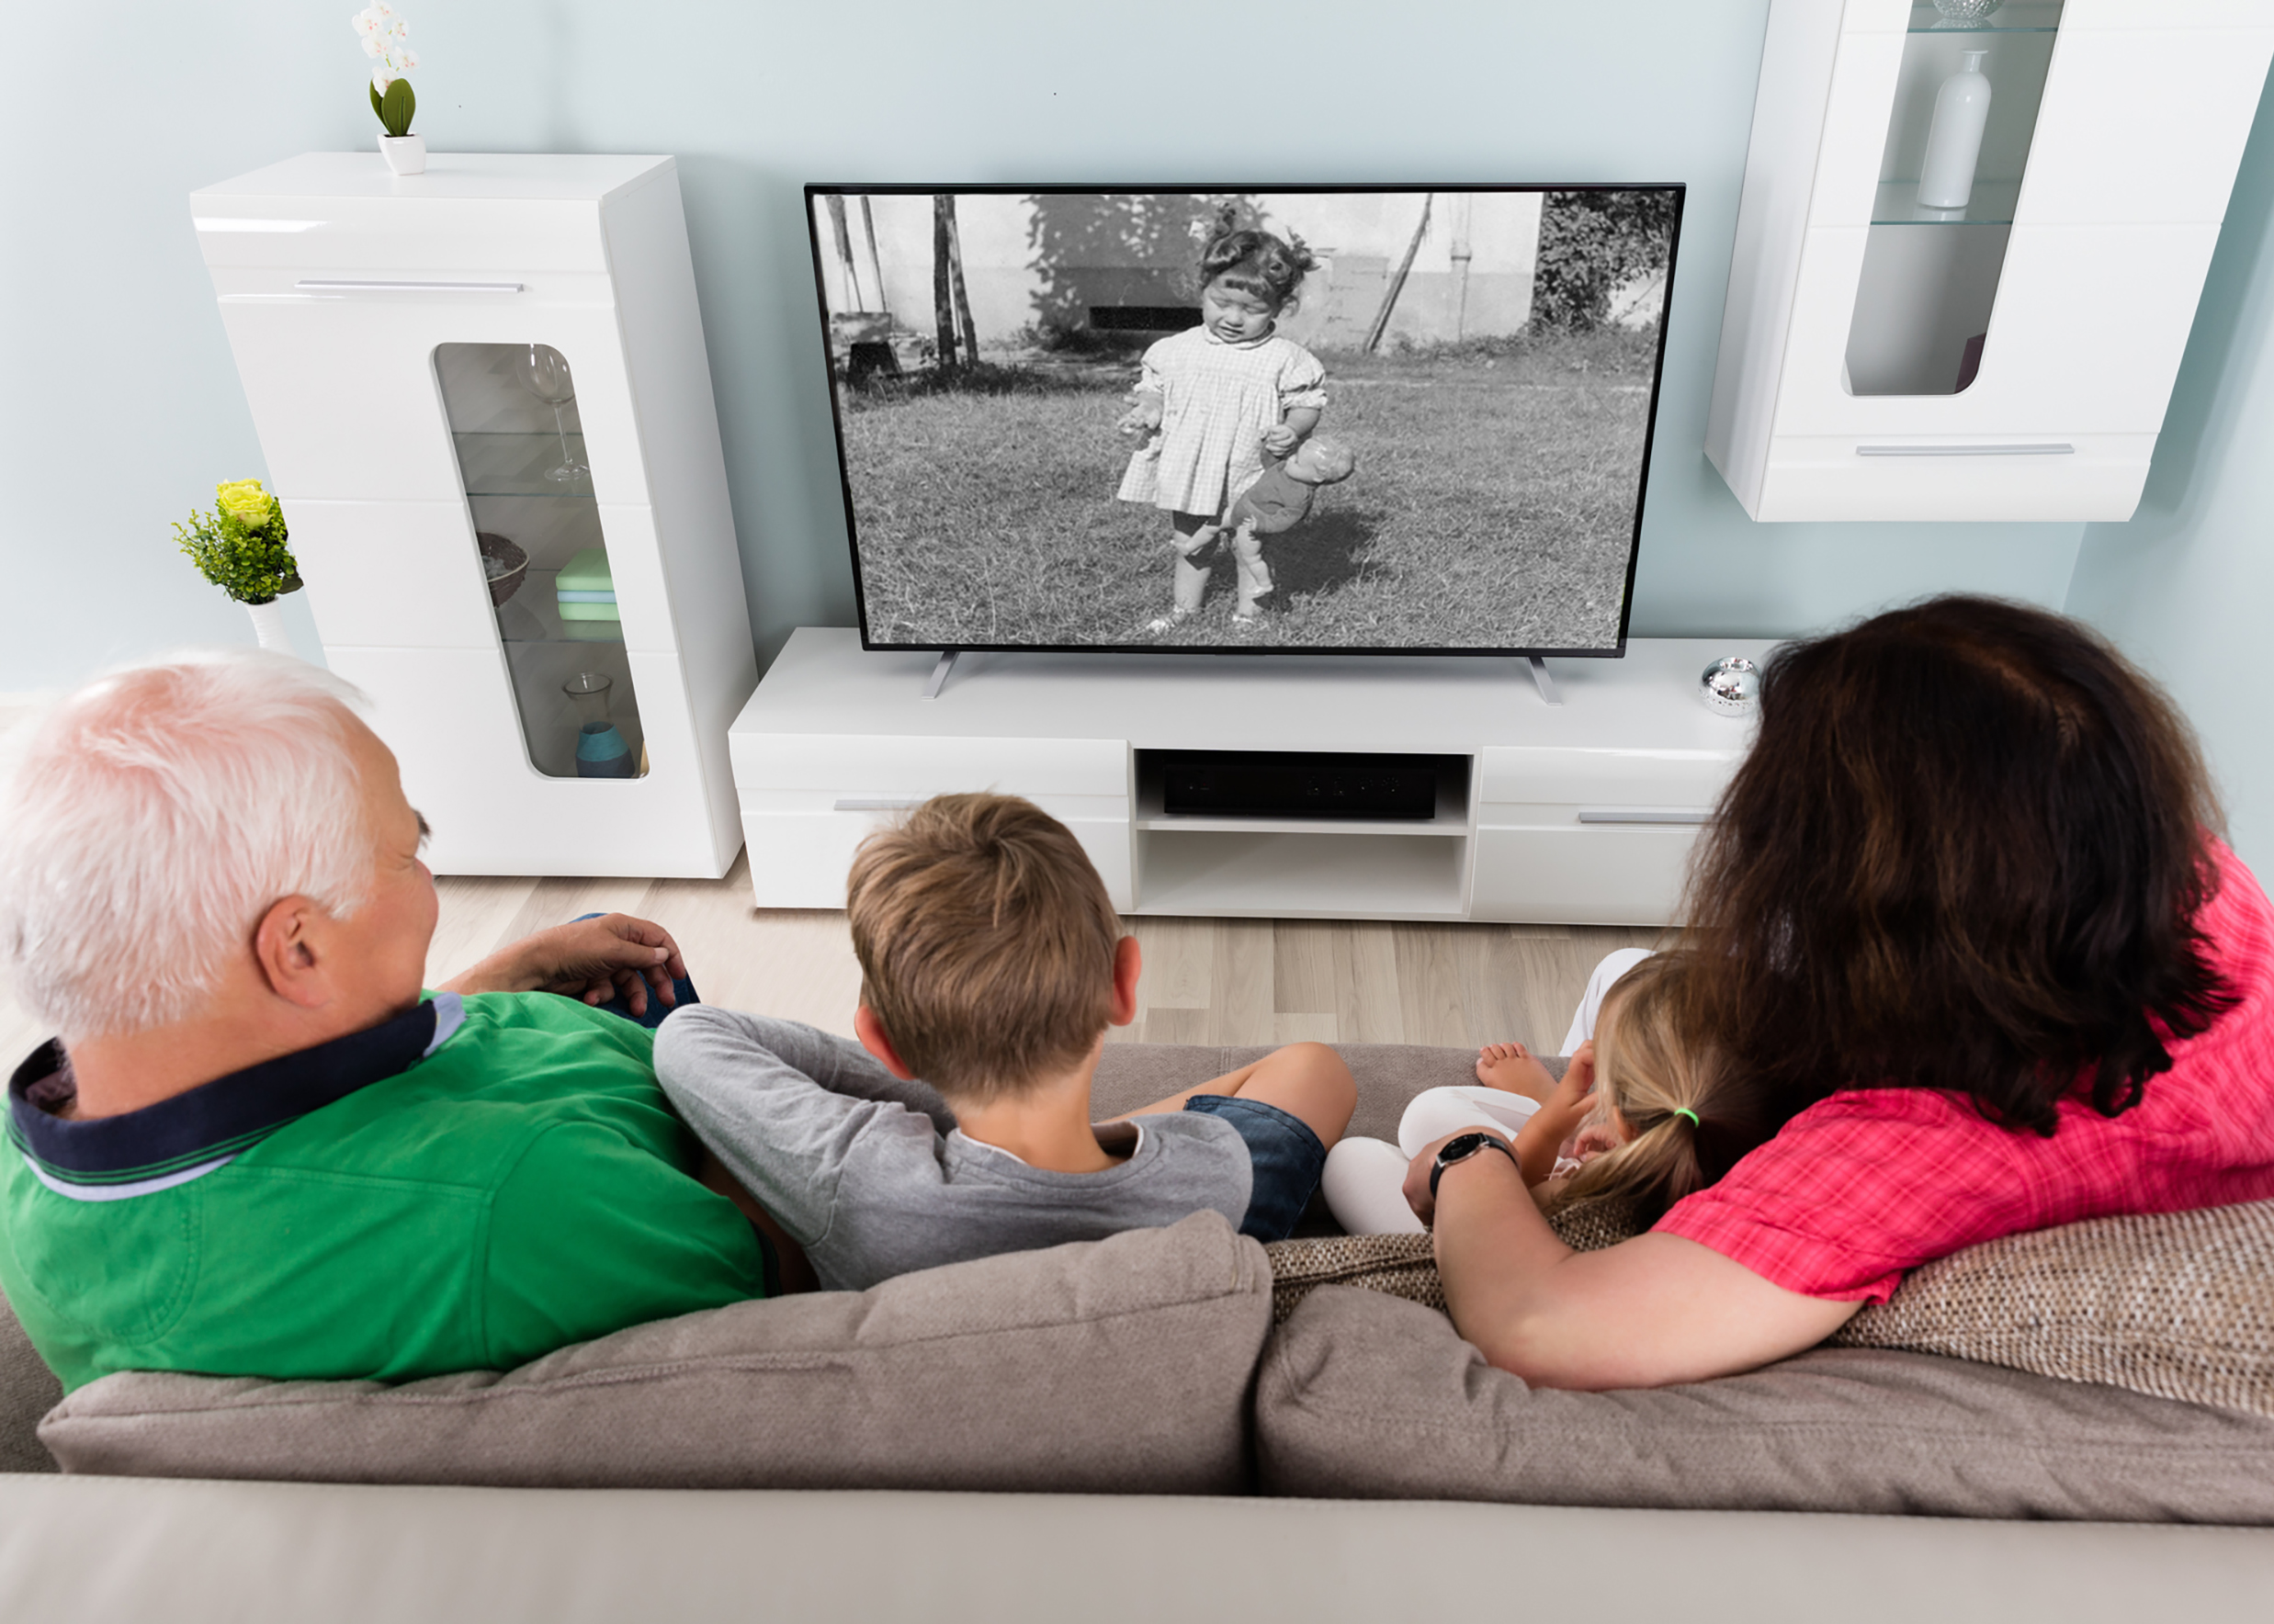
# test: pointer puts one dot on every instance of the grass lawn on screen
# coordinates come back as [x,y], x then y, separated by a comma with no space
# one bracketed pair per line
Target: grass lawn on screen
[1493,506]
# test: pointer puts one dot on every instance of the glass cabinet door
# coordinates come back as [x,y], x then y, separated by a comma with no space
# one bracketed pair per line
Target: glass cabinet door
[1966,113]
[511,409]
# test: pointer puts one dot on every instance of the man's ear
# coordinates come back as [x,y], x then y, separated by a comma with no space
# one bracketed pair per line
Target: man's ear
[878,1042]
[1128,964]
[287,948]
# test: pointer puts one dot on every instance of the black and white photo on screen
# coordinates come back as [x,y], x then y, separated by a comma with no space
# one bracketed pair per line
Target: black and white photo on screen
[1363,420]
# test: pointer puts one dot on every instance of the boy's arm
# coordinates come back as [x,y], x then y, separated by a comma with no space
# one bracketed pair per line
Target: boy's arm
[780,1104]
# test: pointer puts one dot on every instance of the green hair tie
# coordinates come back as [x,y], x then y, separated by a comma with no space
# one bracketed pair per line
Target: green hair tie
[1685,1111]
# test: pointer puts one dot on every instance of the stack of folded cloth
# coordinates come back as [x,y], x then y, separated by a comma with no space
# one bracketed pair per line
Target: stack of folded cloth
[587,594]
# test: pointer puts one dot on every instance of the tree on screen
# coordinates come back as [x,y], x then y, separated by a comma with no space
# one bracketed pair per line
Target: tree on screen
[1593,243]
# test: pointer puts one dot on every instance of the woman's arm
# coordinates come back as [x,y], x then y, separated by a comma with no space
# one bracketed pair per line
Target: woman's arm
[1647,1312]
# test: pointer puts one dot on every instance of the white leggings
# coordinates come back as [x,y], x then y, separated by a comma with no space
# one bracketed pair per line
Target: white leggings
[1364,1179]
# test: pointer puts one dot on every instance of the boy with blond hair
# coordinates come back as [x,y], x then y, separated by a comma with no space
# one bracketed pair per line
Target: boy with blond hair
[959,1127]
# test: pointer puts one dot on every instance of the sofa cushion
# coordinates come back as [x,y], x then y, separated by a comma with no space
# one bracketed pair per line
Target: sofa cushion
[1364,1396]
[28,1389]
[1113,1366]
[1406,1264]
[2176,1305]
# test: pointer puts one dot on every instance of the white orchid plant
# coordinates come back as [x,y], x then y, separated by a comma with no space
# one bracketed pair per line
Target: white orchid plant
[388,38]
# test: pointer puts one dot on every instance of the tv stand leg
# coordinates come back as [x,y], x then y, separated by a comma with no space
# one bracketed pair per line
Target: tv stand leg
[938,680]
[1541,680]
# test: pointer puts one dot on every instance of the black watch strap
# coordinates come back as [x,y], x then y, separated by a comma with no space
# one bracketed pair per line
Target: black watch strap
[1463,1146]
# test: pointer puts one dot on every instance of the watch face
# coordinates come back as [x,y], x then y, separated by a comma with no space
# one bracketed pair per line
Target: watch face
[1460,1148]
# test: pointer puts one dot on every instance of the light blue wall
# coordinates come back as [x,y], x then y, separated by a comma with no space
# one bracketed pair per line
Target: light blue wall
[2186,587]
[122,406]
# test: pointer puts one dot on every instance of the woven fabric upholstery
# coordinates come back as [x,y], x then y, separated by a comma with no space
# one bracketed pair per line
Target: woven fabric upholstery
[1400,1265]
[1404,1265]
[1363,1396]
[2175,1304]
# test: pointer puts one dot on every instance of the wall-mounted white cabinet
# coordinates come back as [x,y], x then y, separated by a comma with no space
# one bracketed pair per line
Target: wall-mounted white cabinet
[1969,252]
[485,403]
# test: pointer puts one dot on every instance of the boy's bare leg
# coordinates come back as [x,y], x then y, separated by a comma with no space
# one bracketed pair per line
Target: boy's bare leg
[1308,1081]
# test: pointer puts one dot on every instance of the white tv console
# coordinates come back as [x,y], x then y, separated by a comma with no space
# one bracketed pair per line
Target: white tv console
[1582,813]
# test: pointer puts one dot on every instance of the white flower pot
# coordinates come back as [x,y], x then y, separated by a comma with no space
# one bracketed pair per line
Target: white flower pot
[405,154]
[268,626]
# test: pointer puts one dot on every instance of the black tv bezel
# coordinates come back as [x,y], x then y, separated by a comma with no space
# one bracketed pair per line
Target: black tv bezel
[815,190]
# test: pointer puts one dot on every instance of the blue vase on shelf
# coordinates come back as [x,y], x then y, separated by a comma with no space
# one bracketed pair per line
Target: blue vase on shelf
[601,749]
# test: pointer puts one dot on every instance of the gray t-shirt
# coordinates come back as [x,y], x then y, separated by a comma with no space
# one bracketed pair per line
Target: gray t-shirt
[871,1176]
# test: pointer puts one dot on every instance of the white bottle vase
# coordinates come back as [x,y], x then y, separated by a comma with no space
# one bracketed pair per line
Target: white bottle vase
[268,626]
[1955,140]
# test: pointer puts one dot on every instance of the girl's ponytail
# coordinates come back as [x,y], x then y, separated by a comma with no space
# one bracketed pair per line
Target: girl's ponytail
[1688,1116]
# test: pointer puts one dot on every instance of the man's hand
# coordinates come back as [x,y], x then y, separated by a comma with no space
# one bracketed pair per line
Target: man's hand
[594,960]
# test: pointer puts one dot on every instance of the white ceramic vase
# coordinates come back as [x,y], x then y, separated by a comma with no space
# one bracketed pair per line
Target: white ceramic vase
[269,625]
[405,154]
[1955,140]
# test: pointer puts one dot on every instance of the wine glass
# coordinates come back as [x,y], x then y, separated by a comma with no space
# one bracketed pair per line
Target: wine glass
[544,372]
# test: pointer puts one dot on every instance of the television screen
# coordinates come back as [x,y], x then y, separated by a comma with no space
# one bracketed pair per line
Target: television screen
[1329,420]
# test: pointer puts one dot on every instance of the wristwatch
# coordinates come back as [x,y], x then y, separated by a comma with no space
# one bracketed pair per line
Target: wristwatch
[1462,1146]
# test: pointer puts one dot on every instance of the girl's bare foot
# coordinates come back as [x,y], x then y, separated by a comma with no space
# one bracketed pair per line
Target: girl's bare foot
[1512,1068]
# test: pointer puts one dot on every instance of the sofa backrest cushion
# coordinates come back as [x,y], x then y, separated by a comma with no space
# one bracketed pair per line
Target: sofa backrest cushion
[1366,1395]
[2176,1305]
[28,1390]
[1113,1366]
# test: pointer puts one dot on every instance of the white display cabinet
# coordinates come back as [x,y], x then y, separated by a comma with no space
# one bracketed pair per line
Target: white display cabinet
[1883,357]
[486,407]
[1579,813]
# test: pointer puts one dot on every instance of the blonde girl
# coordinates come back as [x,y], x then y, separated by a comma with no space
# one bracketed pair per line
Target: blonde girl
[1644,1108]
[1215,401]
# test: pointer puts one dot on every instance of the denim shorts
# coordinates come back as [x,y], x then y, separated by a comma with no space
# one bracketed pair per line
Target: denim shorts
[1286,1156]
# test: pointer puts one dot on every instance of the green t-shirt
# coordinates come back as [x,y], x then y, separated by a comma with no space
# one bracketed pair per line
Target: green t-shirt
[435,1194]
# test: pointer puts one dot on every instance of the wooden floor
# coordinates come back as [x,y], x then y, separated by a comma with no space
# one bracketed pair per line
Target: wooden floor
[1206,981]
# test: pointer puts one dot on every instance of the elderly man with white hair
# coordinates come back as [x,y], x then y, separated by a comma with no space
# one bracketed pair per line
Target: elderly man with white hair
[257,1147]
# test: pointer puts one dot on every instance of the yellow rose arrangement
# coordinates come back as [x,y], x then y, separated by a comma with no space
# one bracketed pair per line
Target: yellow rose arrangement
[239,546]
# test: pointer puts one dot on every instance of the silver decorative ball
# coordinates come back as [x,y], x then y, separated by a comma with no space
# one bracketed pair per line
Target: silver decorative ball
[1731,686]
[1967,11]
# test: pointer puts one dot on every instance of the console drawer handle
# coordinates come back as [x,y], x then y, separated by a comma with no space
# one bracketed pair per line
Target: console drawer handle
[2052,448]
[323,285]
[1682,815]
[878,803]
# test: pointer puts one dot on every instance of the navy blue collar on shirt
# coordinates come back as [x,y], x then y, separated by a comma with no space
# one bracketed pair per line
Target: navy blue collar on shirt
[160,1146]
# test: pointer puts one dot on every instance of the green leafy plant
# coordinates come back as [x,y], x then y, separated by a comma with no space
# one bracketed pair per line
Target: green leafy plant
[394,108]
[239,546]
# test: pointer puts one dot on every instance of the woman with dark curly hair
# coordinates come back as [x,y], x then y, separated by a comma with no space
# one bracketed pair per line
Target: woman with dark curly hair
[1965,927]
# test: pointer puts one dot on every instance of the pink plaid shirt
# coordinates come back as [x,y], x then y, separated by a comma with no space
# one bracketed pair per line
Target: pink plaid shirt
[1871,1182]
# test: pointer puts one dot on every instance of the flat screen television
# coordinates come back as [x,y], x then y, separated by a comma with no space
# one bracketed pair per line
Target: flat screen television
[1345,420]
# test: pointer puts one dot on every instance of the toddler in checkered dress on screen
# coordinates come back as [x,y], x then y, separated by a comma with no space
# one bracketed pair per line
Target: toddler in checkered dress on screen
[1218,399]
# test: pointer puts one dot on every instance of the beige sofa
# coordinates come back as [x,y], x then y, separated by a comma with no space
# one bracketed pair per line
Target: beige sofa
[1121,1429]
